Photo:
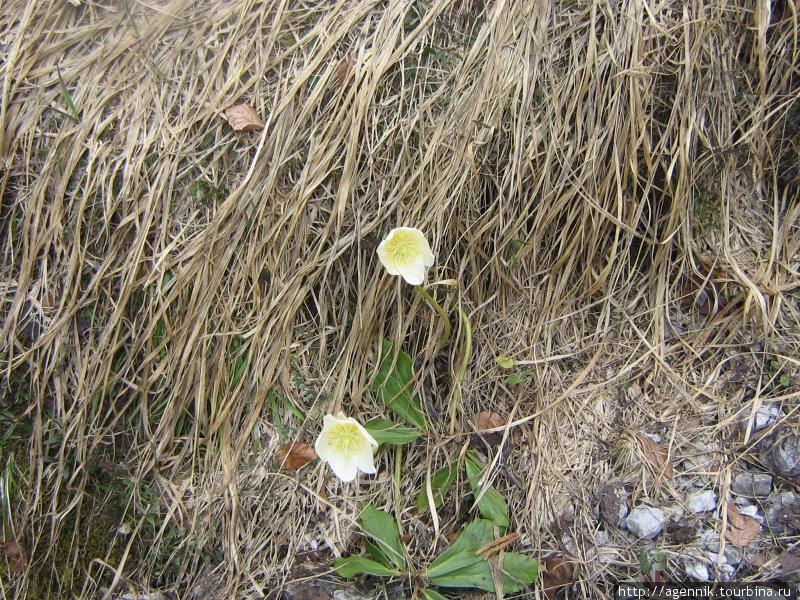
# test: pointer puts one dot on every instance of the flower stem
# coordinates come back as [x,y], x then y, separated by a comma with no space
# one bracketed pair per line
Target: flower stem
[455,397]
[398,461]
[440,311]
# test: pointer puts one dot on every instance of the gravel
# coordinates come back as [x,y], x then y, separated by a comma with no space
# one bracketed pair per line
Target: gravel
[773,506]
[757,485]
[645,521]
[766,415]
[696,570]
[702,501]
[783,456]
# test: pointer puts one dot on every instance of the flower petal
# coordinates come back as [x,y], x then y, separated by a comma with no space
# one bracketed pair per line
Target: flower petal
[414,273]
[321,446]
[366,434]
[422,245]
[365,460]
[385,259]
[427,255]
[343,467]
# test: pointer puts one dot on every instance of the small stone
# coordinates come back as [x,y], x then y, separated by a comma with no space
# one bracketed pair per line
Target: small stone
[751,511]
[606,551]
[757,485]
[653,436]
[766,415]
[709,537]
[613,503]
[696,570]
[674,512]
[687,482]
[733,556]
[702,501]
[645,521]
[726,572]
[774,506]
[783,456]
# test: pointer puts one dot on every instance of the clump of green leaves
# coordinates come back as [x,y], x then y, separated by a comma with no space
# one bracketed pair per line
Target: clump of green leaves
[394,385]
[651,564]
[778,374]
[518,377]
[469,562]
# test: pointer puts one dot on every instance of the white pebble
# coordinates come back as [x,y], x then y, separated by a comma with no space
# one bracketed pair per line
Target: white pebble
[702,501]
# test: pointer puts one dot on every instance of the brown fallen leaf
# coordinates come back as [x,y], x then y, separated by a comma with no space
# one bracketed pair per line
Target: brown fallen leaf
[486,419]
[790,562]
[344,69]
[19,563]
[295,455]
[452,537]
[243,118]
[759,559]
[559,572]
[742,529]
[657,456]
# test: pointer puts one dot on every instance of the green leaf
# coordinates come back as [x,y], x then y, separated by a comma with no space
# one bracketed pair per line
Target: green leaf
[477,575]
[441,482]
[74,113]
[478,533]
[785,380]
[518,377]
[645,566]
[519,571]
[353,565]
[506,362]
[378,554]
[239,367]
[430,594]
[387,432]
[456,562]
[394,382]
[491,504]
[381,527]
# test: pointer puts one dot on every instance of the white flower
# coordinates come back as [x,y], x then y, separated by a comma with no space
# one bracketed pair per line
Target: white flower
[406,252]
[346,446]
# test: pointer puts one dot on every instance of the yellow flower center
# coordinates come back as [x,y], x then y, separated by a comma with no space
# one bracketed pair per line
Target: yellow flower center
[402,248]
[346,439]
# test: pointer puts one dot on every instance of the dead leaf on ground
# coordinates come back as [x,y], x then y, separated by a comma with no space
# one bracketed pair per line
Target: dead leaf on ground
[244,118]
[657,456]
[296,455]
[742,529]
[344,69]
[790,562]
[452,537]
[16,555]
[759,559]
[559,572]
[486,419]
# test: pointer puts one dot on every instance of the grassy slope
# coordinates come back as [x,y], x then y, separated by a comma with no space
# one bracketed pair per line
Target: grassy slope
[590,175]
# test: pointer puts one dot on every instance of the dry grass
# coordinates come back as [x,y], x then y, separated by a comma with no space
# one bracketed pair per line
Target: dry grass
[613,184]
